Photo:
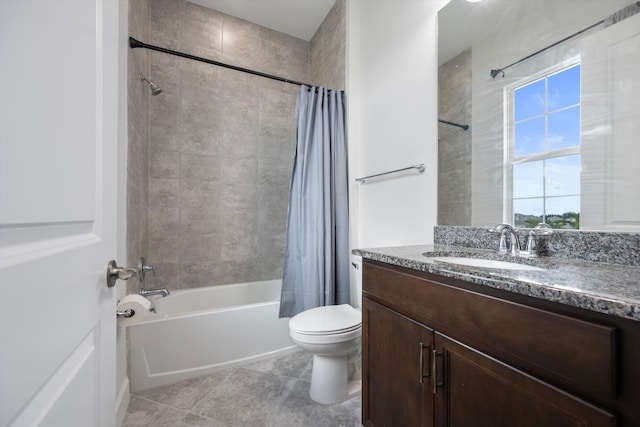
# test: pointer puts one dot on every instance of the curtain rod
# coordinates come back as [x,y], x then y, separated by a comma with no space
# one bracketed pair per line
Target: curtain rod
[465,127]
[133,43]
[494,73]
[623,13]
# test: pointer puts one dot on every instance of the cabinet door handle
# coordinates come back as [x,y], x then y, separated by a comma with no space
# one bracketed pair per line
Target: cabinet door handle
[422,348]
[434,369]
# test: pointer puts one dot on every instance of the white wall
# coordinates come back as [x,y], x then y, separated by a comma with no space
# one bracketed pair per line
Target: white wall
[392,119]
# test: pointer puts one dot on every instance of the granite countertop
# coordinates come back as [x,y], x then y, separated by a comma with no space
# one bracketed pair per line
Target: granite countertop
[602,287]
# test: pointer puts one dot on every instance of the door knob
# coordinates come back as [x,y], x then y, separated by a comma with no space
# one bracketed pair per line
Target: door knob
[114,273]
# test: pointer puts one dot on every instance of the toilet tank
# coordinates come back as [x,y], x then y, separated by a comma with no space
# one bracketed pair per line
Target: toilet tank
[356,281]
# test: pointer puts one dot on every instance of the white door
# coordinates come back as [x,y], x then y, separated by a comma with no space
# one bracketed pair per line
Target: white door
[609,129]
[58,152]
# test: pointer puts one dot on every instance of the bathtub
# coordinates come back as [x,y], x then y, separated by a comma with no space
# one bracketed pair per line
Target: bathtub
[200,331]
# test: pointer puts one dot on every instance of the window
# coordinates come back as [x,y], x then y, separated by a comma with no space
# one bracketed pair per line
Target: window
[544,150]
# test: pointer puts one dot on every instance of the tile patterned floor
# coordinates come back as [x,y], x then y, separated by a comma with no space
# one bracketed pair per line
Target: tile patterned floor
[272,393]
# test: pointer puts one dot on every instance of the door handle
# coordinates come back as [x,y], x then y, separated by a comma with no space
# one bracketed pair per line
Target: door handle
[422,348]
[114,273]
[434,369]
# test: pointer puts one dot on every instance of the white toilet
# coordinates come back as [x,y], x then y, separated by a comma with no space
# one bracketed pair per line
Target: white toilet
[333,335]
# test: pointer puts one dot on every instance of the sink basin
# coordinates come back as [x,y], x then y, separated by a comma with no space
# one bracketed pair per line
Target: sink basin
[487,263]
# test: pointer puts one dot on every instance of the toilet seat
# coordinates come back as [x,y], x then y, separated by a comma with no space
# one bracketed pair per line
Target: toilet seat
[327,320]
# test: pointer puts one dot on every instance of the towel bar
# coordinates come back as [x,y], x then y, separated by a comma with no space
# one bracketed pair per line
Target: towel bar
[420,168]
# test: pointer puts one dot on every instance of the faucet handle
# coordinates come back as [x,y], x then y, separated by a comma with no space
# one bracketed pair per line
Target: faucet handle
[531,249]
[513,247]
[143,268]
[503,248]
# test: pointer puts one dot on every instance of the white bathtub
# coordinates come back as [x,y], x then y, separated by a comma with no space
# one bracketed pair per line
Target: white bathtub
[199,331]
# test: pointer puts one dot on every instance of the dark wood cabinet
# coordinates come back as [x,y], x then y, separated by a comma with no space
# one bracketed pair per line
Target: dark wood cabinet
[436,354]
[397,353]
[478,390]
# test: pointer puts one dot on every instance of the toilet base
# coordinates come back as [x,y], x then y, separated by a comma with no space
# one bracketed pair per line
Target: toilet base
[330,380]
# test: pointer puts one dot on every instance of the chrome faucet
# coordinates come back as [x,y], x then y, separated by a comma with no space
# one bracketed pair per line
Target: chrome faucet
[161,291]
[509,241]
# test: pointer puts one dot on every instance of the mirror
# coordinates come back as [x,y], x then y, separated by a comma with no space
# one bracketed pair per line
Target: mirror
[476,165]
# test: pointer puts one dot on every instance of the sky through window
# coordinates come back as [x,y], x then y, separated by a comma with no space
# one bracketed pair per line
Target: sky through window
[545,151]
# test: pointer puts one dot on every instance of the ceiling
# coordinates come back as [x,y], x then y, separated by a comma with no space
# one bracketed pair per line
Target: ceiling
[460,22]
[298,18]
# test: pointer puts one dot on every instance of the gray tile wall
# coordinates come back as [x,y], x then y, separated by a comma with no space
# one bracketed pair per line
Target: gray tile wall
[454,143]
[328,49]
[138,134]
[221,147]
[210,158]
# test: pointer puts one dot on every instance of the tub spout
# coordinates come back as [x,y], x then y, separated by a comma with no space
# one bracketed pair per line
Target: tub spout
[147,292]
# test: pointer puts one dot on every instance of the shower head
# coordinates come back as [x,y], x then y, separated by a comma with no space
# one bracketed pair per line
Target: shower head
[155,90]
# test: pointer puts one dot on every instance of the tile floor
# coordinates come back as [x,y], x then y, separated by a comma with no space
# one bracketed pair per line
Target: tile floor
[272,393]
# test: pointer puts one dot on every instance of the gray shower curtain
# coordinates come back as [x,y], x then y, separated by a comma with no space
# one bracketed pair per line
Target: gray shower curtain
[316,260]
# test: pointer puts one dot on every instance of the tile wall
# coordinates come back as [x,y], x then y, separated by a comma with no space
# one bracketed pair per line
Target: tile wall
[328,49]
[220,143]
[138,134]
[454,143]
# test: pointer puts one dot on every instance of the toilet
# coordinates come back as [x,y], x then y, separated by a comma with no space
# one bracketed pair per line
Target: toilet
[333,335]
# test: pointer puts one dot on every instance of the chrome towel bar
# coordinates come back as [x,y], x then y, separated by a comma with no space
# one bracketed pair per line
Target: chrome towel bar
[420,168]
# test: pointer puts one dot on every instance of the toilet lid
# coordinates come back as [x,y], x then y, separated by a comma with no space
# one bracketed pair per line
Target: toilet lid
[329,319]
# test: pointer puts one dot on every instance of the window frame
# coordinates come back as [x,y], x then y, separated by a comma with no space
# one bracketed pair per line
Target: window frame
[509,133]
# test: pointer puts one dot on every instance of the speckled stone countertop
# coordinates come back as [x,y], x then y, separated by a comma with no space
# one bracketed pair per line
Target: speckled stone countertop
[602,287]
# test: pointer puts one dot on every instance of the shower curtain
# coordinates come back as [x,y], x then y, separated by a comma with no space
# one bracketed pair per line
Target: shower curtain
[316,260]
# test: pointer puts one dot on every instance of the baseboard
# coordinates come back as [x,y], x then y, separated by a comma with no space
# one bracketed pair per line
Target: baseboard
[122,402]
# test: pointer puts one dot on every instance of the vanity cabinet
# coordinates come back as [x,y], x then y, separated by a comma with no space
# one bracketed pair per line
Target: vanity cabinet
[440,353]
[395,350]
[474,389]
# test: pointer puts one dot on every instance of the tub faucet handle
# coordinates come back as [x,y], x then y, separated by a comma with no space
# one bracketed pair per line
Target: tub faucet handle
[143,268]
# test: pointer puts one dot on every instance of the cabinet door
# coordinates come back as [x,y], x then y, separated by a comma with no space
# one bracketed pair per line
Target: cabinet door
[477,390]
[396,369]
